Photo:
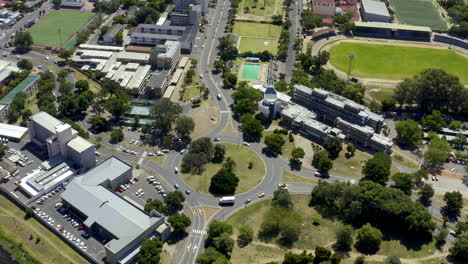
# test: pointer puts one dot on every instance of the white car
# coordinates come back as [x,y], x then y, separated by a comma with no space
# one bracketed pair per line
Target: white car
[261,195]
[176,170]
[246,144]
[183,151]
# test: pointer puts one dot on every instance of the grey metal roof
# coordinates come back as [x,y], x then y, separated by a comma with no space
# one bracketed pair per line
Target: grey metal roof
[157,79]
[105,208]
[160,27]
[79,144]
[374,7]
[155,36]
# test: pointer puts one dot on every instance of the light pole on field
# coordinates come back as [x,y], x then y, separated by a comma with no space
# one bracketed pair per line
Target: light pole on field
[351,57]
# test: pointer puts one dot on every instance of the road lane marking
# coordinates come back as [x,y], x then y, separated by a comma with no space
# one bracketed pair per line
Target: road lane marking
[140,161]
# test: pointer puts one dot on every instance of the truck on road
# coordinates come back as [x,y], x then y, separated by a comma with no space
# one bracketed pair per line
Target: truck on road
[227,200]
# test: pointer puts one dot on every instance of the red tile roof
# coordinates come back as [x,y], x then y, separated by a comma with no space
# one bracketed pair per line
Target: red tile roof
[346,5]
[324,1]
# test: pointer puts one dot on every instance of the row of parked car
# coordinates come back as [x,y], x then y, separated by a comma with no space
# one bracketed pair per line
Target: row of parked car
[41,200]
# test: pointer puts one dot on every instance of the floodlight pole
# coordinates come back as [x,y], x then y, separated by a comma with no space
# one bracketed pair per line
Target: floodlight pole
[351,57]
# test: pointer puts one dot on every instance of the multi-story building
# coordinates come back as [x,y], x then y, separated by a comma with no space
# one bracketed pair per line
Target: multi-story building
[183,5]
[151,35]
[111,33]
[157,83]
[188,17]
[324,8]
[330,106]
[352,121]
[374,11]
[93,200]
[61,141]
[166,56]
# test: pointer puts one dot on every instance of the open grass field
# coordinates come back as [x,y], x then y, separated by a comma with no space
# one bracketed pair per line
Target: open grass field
[289,176]
[419,13]
[248,178]
[258,30]
[258,45]
[45,32]
[36,240]
[396,62]
[261,8]
[311,236]
[93,86]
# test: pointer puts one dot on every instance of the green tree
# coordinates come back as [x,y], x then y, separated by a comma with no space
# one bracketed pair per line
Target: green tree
[350,148]
[437,153]
[179,222]
[212,256]
[333,145]
[404,182]
[224,244]
[361,259]
[219,65]
[229,165]
[344,237]
[184,125]
[150,251]
[156,205]
[229,80]
[57,3]
[175,199]
[368,238]
[441,236]
[426,192]
[216,228]
[453,203]
[118,39]
[224,182]
[65,54]
[409,132]
[82,85]
[325,165]
[302,258]
[310,20]
[24,64]
[98,123]
[318,155]
[274,143]
[459,247]
[252,127]
[434,121]
[118,105]
[245,236]
[377,169]
[164,114]
[281,86]
[297,153]
[117,135]
[282,198]
[28,213]
[219,152]
[321,255]
[23,40]
[455,125]
[245,106]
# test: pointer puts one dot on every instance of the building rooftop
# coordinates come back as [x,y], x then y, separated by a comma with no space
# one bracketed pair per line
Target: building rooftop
[134,56]
[374,7]
[171,48]
[158,27]
[155,36]
[116,28]
[79,144]
[324,1]
[391,26]
[103,207]
[45,120]
[101,47]
[26,83]
[157,79]
[12,131]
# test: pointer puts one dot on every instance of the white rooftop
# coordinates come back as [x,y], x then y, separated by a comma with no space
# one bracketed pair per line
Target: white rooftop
[12,131]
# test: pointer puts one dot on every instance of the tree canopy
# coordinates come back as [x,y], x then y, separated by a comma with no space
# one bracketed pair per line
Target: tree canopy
[408,132]
[150,251]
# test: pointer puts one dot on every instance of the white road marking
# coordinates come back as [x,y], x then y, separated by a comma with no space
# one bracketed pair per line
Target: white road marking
[140,161]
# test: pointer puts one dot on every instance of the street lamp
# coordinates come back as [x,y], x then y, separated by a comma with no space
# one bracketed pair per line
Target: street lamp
[351,57]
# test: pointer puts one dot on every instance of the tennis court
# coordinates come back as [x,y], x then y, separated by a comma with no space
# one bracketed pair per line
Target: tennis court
[418,13]
[58,26]
[250,71]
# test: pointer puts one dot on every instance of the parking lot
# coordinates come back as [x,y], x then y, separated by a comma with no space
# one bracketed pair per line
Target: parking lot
[57,215]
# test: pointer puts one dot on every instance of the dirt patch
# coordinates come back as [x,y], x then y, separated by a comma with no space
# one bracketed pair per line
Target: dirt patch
[452,175]
[229,129]
[201,115]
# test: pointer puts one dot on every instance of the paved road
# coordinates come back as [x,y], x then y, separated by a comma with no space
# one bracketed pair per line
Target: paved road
[6,34]
[294,31]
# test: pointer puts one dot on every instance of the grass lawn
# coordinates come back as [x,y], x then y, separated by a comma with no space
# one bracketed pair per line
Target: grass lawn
[49,249]
[258,30]
[287,147]
[191,92]
[258,45]
[353,166]
[419,13]
[289,176]
[262,8]
[380,93]
[394,247]
[45,32]
[395,62]
[261,252]
[93,86]
[248,178]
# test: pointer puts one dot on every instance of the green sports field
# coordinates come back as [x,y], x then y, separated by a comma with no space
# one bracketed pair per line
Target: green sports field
[418,13]
[261,8]
[396,62]
[258,45]
[256,30]
[46,31]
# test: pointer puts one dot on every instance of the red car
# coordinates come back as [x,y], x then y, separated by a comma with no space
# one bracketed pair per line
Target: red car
[136,179]
[120,189]
[80,227]
[61,229]
[149,200]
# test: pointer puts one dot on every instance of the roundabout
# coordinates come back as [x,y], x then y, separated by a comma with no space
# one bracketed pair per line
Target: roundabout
[248,177]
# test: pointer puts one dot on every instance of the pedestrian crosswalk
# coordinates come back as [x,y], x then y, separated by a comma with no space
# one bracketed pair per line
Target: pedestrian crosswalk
[197,231]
